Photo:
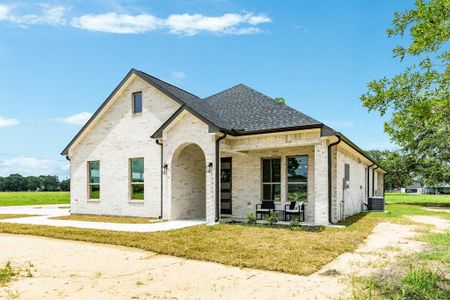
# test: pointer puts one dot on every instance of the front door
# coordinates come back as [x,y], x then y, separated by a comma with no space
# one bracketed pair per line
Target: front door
[225,186]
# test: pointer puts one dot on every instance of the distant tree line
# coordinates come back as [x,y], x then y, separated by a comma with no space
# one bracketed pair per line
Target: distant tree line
[19,183]
[404,168]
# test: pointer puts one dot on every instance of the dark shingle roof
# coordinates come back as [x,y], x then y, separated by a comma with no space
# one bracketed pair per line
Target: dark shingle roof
[190,100]
[238,110]
[248,110]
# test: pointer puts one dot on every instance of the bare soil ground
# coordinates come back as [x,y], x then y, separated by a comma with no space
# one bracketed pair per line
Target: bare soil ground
[77,270]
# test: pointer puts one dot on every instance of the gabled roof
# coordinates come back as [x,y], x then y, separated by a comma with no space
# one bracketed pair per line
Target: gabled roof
[239,110]
[187,100]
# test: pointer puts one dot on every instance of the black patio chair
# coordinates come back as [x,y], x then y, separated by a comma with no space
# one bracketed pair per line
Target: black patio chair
[294,209]
[264,208]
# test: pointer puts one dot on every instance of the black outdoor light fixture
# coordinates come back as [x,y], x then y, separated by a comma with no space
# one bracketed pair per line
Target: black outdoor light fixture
[165,168]
[210,167]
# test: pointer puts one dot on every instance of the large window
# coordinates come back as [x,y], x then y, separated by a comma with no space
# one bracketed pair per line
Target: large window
[297,178]
[137,178]
[271,179]
[94,180]
[137,102]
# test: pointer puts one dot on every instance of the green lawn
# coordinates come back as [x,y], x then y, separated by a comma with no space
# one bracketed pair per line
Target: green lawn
[33,198]
[421,199]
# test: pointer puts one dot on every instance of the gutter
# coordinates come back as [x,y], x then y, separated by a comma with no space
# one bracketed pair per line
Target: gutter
[218,174]
[329,178]
[162,179]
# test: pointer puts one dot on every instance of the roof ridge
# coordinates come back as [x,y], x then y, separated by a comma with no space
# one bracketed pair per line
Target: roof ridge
[230,88]
[146,74]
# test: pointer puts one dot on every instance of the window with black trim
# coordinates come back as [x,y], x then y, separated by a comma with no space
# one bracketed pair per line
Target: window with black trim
[271,175]
[297,178]
[137,178]
[137,102]
[94,179]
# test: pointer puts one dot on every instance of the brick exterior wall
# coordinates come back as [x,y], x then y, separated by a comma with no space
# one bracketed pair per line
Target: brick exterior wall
[188,184]
[247,181]
[115,138]
[189,189]
[188,130]
[349,201]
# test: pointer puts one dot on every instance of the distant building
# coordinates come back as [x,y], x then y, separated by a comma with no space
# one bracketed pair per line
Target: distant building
[414,188]
[417,188]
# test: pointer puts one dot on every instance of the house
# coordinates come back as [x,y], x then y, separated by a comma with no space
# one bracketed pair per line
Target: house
[155,150]
[417,188]
[413,188]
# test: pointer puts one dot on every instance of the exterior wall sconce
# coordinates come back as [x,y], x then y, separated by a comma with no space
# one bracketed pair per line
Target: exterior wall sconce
[210,167]
[165,168]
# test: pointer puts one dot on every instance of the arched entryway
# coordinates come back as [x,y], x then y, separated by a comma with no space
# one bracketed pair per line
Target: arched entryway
[188,177]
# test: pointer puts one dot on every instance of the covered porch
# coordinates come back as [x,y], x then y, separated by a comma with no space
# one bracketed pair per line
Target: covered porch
[216,176]
[277,168]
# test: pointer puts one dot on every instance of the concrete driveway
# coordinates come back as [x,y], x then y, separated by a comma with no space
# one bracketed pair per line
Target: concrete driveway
[45,212]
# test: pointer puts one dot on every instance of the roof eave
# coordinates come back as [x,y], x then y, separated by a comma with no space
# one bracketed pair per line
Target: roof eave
[92,118]
[236,132]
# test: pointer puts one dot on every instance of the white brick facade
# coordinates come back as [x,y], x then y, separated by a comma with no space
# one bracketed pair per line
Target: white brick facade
[189,151]
[117,136]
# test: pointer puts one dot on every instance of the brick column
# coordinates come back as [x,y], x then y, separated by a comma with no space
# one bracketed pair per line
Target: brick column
[321,183]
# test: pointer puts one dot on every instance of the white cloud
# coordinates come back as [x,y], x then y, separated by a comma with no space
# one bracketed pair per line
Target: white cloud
[50,15]
[178,75]
[115,23]
[180,24]
[8,122]
[4,12]
[76,119]
[28,166]
[186,24]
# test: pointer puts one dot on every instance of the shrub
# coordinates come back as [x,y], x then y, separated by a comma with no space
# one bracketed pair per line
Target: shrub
[294,225]
[272,218]
[251,219]
[6,273]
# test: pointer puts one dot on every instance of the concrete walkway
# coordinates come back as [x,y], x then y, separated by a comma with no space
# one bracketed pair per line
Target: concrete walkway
[45,212]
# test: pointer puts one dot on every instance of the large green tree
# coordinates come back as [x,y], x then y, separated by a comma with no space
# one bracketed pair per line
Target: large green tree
[418,99]
[399,168]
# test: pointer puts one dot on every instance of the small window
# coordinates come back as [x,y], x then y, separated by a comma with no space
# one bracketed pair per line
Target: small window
[137,102]
[137,178]
[347,172]
[271,179]
[297,178]
[94,180]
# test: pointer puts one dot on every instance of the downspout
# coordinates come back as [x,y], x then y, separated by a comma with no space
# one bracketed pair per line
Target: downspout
[218,175]
[162,179]
[368,181]
[373,181]
[329,178]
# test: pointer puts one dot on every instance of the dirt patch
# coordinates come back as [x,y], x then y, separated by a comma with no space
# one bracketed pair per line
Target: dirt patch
[77,270]
[438,208]
[440,225]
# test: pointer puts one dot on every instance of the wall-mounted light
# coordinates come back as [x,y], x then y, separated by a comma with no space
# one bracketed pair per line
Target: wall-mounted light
[165,168]
[210,167]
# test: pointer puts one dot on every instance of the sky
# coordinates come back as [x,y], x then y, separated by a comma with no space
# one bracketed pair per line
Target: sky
[59,60]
